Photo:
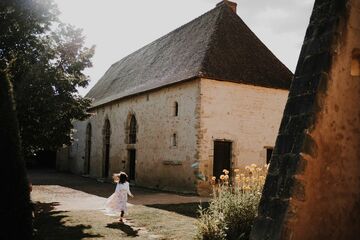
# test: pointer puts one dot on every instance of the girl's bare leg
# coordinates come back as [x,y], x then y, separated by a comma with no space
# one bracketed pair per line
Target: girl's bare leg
[121,216]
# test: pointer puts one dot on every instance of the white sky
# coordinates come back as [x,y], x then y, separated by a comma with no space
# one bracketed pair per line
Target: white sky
[119,27]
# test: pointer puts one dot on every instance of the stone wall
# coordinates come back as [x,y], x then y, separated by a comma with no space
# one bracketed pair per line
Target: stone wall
[159,164]
[248,116]
[208,110]
[312,190]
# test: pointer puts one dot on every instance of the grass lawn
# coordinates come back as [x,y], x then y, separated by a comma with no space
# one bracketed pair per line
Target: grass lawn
[160,221]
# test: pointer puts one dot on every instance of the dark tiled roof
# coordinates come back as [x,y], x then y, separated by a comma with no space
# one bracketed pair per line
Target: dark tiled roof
[217,45]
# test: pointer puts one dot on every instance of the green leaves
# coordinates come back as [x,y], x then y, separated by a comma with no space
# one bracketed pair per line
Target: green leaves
[45,60]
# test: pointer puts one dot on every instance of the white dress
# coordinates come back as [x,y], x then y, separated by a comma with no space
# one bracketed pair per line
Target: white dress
[117,201]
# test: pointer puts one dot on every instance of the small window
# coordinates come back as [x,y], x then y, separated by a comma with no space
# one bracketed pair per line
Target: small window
[174,140]
[176,109]
[269,151]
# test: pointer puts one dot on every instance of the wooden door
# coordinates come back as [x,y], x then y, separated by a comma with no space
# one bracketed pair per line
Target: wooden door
[132,161]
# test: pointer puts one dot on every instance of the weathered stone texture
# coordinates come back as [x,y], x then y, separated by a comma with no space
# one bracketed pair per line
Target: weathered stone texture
[154,112]
[248,116]
[314,176]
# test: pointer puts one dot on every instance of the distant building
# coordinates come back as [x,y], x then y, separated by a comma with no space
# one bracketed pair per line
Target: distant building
[207,96]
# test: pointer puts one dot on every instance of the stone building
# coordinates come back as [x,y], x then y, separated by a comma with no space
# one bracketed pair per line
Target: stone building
[207,96]
[312,190]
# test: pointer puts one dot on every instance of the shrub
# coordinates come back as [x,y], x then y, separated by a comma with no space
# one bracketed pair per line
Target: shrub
[233,208]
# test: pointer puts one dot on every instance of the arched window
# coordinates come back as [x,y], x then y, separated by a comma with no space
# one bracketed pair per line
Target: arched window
[132,130]
[176,109]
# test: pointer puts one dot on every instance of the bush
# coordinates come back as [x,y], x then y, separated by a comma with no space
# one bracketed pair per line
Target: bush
[232,211]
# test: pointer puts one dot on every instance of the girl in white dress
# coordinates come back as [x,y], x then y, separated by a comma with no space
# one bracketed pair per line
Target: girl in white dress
[117,201]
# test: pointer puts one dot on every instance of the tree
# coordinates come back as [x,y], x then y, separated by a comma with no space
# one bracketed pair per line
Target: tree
[45,60]
[15,205]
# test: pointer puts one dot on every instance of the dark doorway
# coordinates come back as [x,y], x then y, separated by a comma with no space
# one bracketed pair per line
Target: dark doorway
[132,160]
[222,157]
[88,149]
[106,148]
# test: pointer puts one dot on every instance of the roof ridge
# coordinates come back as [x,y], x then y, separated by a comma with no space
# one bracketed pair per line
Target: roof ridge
[154,42]
[167,34]
[215,45]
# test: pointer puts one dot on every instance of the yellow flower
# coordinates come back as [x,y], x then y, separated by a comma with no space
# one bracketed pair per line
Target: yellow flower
[226,177]
[225,171]
[253,165]
[247,187]
[222,177]
[258,169]
[213,178]
[236,170]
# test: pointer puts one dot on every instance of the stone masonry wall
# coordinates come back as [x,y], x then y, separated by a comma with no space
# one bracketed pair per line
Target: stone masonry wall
[248,116]
[312,190]
[158,163]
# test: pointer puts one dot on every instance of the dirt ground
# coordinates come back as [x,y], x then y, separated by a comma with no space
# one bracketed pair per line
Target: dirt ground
[71,207]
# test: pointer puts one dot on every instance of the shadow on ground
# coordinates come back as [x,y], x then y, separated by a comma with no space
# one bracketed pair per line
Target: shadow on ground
[186,209]
[84,184]
[50,225]
[128,230]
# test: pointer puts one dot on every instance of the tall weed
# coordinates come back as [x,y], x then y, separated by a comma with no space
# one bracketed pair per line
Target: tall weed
[233,208]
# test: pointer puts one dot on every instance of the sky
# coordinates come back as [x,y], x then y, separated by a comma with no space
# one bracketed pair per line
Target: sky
[120,27]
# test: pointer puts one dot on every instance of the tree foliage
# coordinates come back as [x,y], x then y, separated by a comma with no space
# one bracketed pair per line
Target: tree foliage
[45,60]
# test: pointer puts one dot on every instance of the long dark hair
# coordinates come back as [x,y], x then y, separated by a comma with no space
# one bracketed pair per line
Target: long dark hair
[123,177]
